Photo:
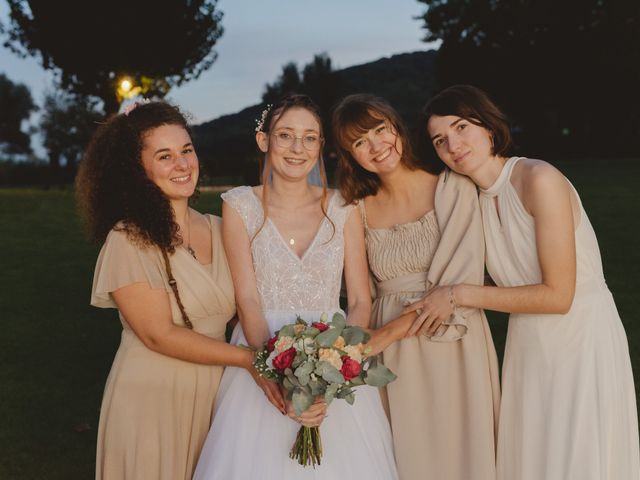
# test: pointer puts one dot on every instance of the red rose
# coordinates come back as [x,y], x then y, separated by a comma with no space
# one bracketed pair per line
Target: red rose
[320,326]
[350,368]
[284,359]
[271,344]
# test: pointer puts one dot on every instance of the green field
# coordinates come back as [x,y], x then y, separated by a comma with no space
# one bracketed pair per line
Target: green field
[56,350]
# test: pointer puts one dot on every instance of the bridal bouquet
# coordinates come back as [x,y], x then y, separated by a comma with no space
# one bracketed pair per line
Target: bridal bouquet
[321,359]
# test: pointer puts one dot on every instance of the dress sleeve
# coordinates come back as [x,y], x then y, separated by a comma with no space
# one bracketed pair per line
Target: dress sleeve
[338,211]
[122,263]
[244,201]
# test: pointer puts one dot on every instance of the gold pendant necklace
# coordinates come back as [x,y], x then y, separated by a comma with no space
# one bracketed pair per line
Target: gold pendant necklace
[188,247]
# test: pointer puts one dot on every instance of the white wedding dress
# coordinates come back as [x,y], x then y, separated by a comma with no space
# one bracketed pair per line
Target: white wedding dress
[249,438]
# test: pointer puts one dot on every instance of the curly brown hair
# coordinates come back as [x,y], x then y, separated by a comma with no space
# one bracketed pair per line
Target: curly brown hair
[114,191]
[354,116]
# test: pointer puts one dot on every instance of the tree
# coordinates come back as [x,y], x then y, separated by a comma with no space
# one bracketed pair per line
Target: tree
[317,79]
[566,71]
[92,45]
[66,125]
[16,105]
[288,81]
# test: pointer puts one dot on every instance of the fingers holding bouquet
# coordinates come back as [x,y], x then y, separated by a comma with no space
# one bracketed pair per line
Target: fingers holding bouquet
[316,363]
[312,416]
[270,389]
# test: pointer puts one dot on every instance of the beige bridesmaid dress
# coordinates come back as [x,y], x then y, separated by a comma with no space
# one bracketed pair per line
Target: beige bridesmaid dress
[444,404]
[156,410]
[568,405]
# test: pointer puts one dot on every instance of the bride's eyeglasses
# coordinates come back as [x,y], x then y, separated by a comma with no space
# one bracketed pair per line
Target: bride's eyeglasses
[286,139]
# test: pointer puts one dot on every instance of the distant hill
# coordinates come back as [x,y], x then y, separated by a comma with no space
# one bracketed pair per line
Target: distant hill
[226,145]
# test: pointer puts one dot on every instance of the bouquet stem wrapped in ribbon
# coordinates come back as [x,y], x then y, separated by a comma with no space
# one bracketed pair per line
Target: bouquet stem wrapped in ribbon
[321,359]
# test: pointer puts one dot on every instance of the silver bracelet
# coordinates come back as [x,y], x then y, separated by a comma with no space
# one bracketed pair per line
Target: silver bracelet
[452,299]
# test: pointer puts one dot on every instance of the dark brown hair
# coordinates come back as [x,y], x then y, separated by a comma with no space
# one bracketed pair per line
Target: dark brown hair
[354,116]
[475,106]
[274,112]
[114,192]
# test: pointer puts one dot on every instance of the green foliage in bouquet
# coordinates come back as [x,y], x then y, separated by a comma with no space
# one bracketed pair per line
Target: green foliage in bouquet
[319,360]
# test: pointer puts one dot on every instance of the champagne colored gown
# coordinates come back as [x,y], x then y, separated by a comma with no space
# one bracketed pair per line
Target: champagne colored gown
[568,404]
[156,410]
[444,404]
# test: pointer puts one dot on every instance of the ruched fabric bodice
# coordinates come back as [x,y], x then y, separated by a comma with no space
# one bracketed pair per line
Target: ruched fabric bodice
[402,249]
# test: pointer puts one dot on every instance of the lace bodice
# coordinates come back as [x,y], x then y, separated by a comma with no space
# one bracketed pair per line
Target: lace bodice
[285,281]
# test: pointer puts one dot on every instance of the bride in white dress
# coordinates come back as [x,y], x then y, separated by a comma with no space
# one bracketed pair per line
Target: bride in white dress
[289,263]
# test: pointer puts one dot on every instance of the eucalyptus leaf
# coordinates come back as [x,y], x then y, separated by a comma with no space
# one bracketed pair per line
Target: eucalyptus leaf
[301,400]
[287,331]
[377,375]
[344,391]
[311,332]
[287,384]
[338,321]
[356,381]
[328,337]
[304,369]
[299,359]
[330,393]
[330,373]
[292,378]
[303,372]
[317,387]
[355,335]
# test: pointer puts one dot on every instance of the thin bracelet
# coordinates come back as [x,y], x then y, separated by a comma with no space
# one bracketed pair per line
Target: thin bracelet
[452,299]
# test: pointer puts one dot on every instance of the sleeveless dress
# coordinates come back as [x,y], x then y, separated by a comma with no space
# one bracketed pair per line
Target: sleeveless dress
[249,438]
[568,406]
[443,405]
[156,410]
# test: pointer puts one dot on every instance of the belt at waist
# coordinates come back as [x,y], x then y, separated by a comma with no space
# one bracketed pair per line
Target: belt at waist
[409,283]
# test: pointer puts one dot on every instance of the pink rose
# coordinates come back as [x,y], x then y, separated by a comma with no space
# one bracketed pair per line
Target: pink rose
[271,344]
[320,326]
[285,359]
[350,368]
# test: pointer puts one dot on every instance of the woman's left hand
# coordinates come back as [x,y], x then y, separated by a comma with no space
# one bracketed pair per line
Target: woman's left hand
[433,309]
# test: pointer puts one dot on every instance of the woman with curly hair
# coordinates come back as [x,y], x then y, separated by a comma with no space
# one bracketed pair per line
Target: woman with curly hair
[163,267]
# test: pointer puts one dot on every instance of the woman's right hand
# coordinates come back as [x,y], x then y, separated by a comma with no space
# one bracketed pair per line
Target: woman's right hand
[391,332]
[311,417]
[270,389]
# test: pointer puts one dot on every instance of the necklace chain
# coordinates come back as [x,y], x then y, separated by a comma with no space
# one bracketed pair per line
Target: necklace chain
[188,247]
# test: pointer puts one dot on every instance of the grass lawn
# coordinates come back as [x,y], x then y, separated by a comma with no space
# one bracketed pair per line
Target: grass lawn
[56,350]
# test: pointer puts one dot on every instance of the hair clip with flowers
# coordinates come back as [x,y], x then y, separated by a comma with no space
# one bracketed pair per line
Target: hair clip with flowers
[263,116]
[131,107]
